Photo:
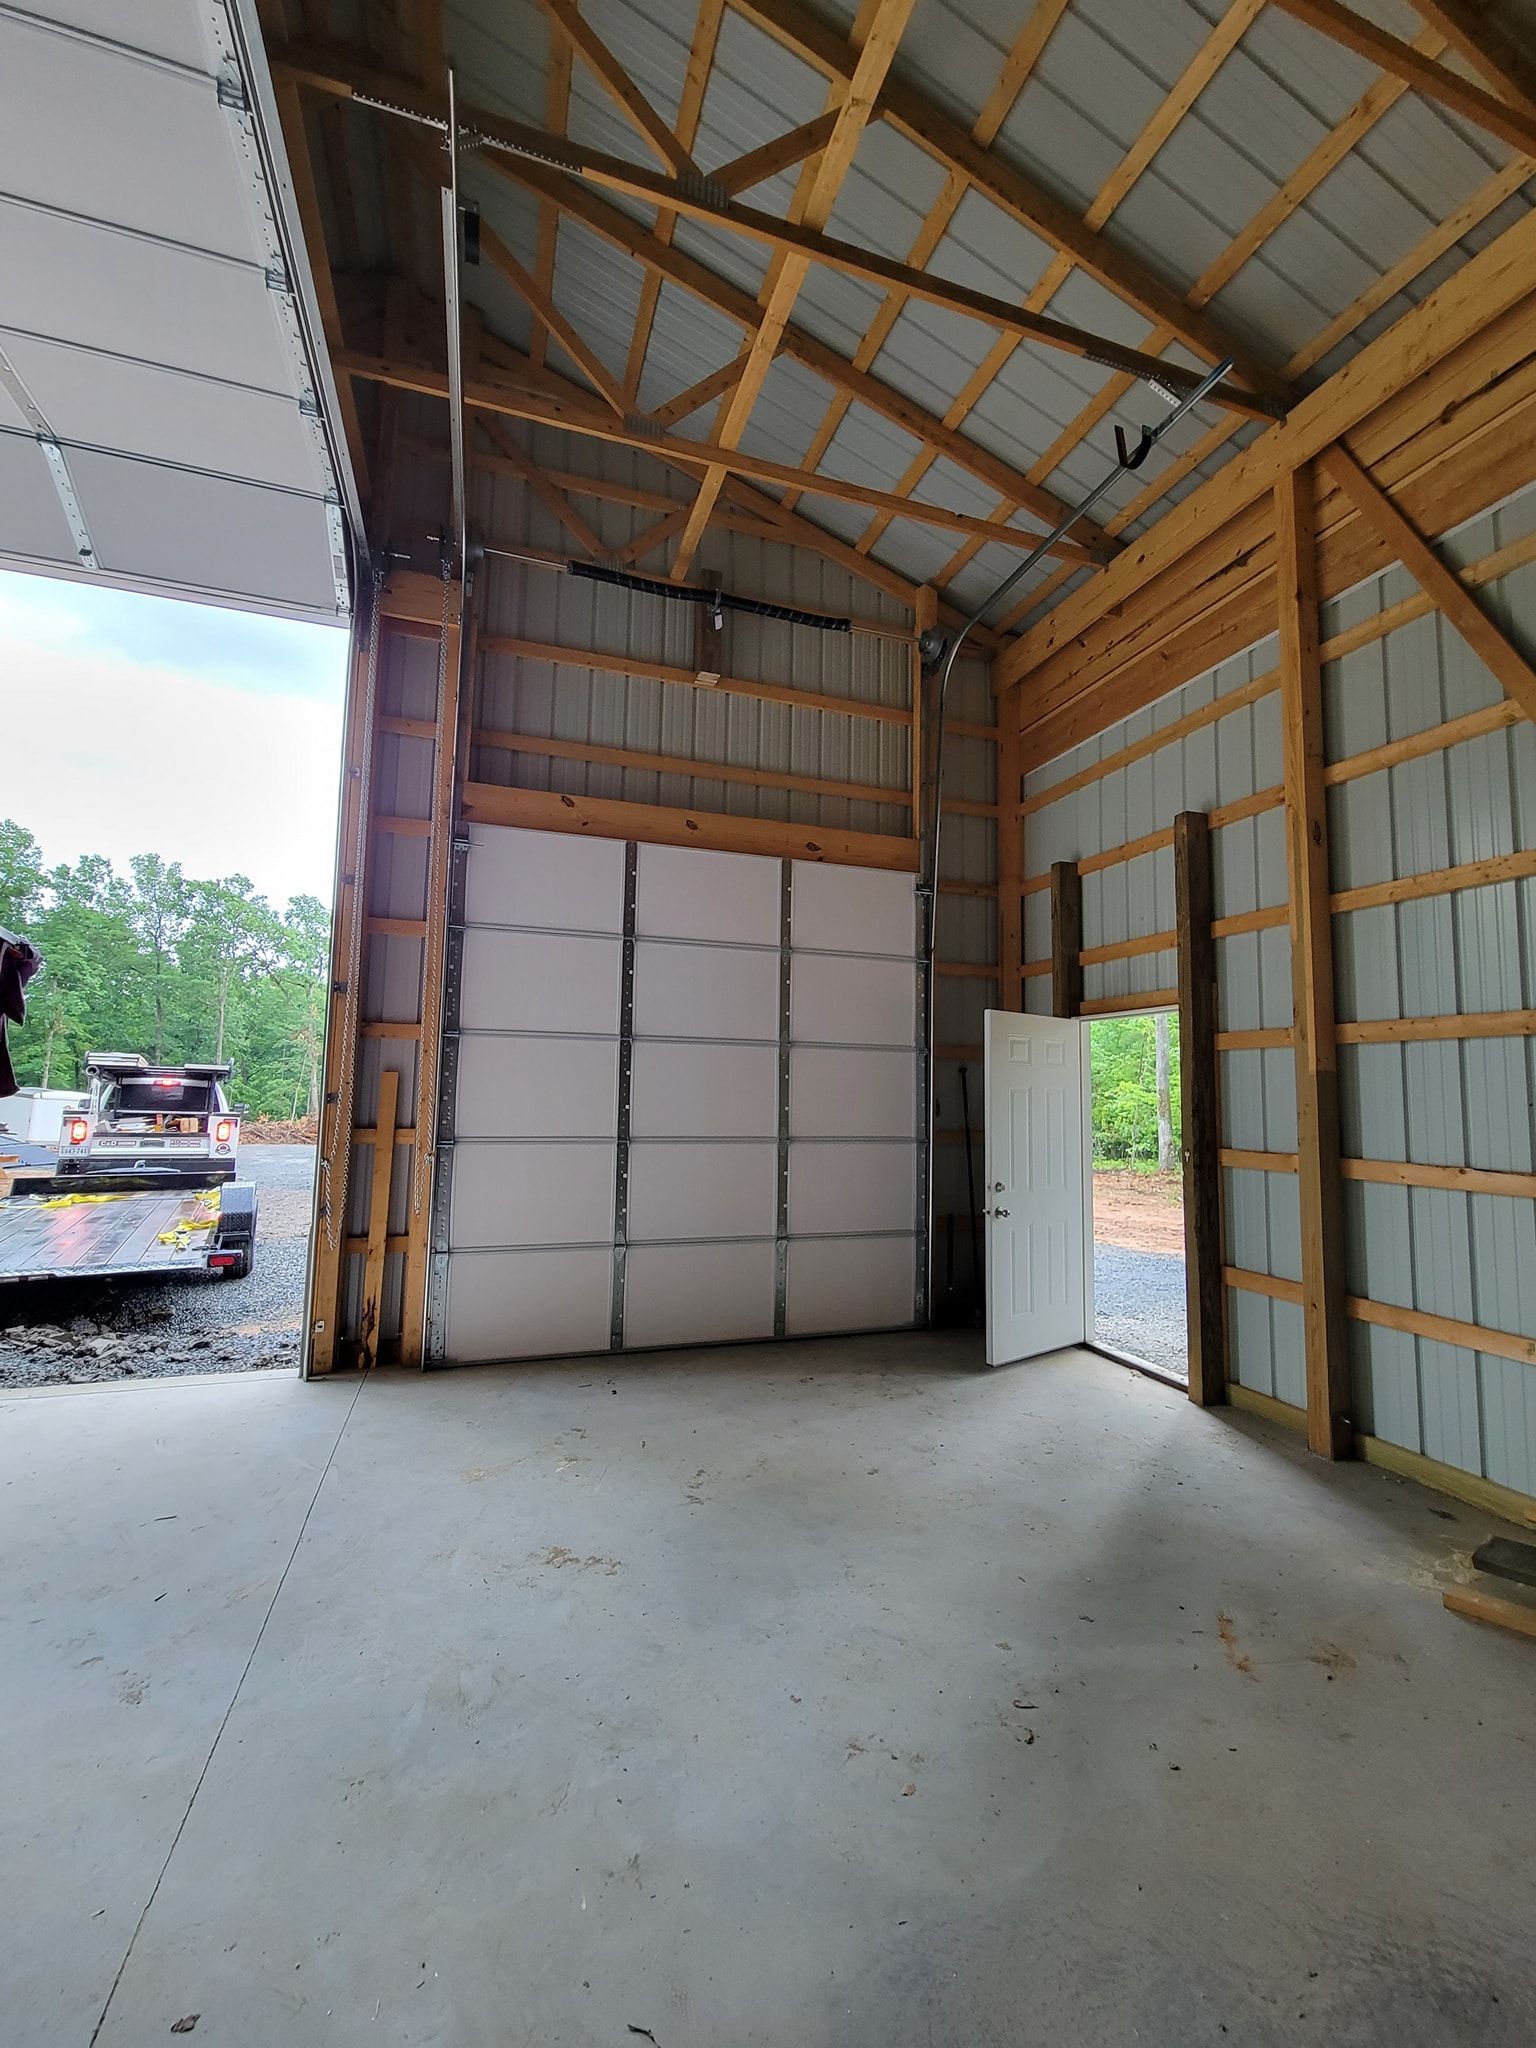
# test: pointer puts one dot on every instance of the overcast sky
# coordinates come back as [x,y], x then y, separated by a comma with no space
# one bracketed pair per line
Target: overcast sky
[134,724]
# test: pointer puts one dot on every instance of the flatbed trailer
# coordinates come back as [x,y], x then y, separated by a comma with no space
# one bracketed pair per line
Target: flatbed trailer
[55,1232]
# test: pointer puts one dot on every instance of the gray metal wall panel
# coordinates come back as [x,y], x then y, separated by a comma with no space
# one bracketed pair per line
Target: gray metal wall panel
[1469,1102]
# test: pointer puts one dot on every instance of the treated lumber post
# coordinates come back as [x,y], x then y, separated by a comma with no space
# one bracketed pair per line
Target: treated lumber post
[1199,1097]
[1010,860]
[378,1218]
[1320,1187]
[1066,939]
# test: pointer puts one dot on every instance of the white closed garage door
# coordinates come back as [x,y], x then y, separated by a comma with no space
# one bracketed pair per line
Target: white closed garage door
[681,1098]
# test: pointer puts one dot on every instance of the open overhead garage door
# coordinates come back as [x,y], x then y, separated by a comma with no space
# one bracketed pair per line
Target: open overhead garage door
[164,405]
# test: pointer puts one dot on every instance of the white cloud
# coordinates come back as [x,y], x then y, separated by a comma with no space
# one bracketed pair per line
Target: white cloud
[104,755]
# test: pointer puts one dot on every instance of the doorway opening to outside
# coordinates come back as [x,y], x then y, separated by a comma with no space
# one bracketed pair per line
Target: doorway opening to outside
[1139,1310]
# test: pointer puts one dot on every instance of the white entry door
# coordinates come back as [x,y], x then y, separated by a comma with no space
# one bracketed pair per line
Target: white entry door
[1038,1288]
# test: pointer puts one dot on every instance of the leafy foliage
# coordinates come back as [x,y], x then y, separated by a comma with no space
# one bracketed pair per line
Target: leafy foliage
[1125,1120]
[158,963]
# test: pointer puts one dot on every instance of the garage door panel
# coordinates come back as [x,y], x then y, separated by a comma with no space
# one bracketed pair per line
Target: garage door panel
[698,1294]
[509,1195]
[835,1187]
[853,910]
[536,1087]
[740,1214]
[835,1000]
[539,981]
[684,892]
[705,991]
[842,1094]
[704,1091]
[549,879]
[527,1304]
[682,1190]
[850,1283]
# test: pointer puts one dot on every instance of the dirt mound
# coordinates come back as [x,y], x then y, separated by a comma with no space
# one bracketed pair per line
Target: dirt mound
[1144,1212]
[262,1130]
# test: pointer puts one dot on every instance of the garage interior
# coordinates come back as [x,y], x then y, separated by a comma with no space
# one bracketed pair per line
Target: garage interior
[649,1616]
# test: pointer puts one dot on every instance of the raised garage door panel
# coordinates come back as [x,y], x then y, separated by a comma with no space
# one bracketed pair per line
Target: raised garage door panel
[728,1212]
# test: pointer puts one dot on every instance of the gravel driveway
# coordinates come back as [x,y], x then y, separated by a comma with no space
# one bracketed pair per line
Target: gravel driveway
[1138,1300]
[55,1332]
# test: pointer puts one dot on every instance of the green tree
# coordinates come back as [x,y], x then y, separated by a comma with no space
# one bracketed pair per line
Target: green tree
[173,966]
[1126,1124]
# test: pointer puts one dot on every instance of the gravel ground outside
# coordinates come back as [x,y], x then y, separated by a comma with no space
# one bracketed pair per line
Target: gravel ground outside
[1138,1300]
[60,1332]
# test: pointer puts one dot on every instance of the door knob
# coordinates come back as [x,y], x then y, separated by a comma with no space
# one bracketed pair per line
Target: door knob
[999,1212]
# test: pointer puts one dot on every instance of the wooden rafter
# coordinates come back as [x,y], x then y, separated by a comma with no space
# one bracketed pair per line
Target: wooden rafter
[548,316]
[557,101]
[526,153]
[701,59]
[1439,583]
[567,20]
[1487,47]
[924,122]
[1021,60]
[782,154]
[1512,125]
[1197,74]
[579,414]
[512,458]
[886,20]
[1376,101]
[621,230]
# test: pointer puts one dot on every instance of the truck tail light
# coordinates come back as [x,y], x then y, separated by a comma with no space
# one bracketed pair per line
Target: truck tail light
[223,1130]
[78,1129]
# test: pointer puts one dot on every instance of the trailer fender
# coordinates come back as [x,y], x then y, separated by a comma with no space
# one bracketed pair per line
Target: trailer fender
[233,1250]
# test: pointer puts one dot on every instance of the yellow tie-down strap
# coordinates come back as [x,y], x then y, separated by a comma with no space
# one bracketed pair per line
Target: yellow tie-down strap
[204,1217]
[79,1201]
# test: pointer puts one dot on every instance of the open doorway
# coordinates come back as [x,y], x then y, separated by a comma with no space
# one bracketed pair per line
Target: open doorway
[167,826]
[1139,1308]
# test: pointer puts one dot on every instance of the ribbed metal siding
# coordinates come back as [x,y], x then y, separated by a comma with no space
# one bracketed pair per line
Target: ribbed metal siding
[1458,1103]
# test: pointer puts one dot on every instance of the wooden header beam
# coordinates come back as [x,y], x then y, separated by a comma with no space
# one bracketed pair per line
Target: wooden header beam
[545,810]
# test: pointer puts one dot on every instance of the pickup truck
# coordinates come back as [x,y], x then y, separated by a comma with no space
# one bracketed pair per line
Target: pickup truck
[145,1181]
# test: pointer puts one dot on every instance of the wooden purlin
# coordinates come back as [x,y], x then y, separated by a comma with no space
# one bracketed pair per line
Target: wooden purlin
[923,121]
[1197,74]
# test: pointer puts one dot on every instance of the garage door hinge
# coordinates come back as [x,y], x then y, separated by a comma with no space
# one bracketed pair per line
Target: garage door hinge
[275,277]
[231,91]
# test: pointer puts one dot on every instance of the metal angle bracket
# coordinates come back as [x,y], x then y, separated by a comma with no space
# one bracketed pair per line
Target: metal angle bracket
[626,1084]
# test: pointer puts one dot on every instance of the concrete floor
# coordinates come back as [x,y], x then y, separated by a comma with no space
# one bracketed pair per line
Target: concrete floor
[540,1706]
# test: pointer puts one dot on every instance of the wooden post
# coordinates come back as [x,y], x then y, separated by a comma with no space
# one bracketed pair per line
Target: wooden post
[337,1114]
[1329,1431]
[1200,1098]
[1010,858]
[418,1223]
[378,1218]
[1066,939]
